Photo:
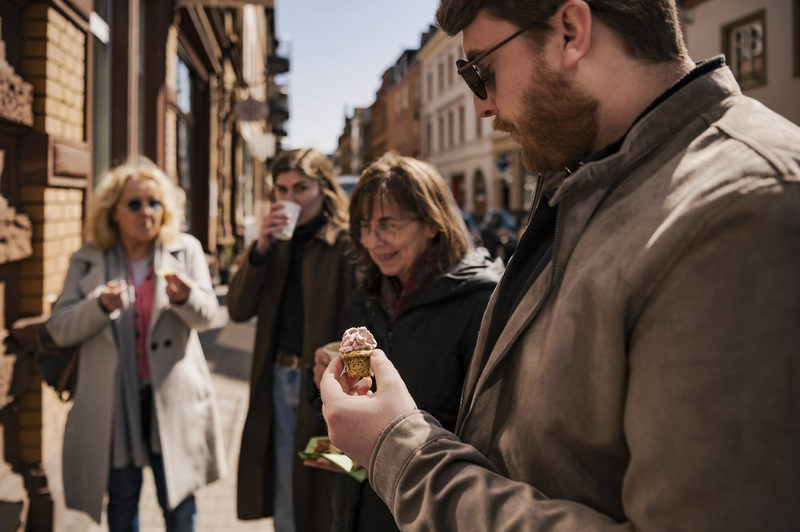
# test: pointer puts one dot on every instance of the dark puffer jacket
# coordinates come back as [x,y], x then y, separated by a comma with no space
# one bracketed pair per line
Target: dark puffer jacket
[441,319]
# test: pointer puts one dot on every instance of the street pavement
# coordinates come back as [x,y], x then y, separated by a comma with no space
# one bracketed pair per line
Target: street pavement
[227,346]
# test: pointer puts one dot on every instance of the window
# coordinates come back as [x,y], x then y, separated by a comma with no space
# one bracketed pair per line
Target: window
[441,77]
[430,86]
[441,133]
[450,70]
[450,129]
[101,89]
[478,126]
[428,138]
[185,85]
[745,46]
[462,135]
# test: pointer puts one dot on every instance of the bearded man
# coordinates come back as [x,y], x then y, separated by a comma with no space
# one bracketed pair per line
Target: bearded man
[637,366]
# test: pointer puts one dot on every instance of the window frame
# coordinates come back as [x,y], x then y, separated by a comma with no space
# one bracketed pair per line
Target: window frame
[756,80]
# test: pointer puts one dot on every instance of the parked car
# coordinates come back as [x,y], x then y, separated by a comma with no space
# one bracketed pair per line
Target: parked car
[472,227]
[347,182]
[498,230]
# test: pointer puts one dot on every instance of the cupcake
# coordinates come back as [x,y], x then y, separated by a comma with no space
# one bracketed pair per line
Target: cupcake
[356,348]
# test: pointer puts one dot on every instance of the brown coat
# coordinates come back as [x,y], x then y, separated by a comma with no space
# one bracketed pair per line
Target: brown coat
[647,380]
[256,291]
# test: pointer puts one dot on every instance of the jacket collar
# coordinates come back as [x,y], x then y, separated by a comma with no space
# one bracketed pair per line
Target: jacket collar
[707,84]
[683,111]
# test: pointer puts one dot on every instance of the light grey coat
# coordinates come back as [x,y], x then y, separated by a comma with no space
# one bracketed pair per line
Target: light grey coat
[189,432]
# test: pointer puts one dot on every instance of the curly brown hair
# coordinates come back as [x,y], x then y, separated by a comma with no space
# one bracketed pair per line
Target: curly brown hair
[649,29]
[417,188]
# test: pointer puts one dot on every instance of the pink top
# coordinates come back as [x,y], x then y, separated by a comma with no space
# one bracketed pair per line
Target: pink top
[143,310]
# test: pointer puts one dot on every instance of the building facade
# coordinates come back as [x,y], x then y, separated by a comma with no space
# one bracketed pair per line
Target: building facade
[761,43]
[85,84]
[482,166]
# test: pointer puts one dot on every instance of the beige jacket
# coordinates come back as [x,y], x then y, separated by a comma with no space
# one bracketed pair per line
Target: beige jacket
[648,379]
[255,290]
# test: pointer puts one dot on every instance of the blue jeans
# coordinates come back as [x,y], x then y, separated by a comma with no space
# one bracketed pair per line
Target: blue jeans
[285,396]
[125,485]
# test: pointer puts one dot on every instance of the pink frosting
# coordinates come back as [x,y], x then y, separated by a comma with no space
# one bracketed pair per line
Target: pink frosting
[356,339]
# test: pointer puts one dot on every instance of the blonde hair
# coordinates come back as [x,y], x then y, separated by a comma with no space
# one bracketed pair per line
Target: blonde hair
[104,231]
[415,187]
[315,165]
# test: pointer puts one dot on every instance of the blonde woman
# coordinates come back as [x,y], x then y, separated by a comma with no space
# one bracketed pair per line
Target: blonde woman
[297,289]
[134,298]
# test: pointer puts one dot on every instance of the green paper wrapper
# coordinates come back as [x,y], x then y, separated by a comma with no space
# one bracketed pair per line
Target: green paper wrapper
[337,457]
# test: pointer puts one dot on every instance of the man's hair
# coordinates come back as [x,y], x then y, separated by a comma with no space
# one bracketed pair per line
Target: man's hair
[649,29]
[414,187]
[104,230]
[315,165]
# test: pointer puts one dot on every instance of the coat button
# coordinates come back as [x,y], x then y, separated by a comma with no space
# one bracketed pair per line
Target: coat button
[167,343]
[154,346]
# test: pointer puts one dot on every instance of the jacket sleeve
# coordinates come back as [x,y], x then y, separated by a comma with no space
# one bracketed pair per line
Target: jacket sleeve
[76,316]
[200,309]
[431,481]
[245,287]
[710,404]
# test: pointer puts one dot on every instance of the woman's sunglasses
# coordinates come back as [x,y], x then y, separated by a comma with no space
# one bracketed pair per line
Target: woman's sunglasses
[135,204]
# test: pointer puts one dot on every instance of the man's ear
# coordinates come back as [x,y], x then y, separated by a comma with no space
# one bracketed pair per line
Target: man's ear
[574,18]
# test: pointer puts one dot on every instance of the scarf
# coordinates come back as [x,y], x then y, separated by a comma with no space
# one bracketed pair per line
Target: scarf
[395,293]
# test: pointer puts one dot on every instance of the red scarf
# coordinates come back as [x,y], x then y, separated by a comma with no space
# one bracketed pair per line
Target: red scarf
[394,293]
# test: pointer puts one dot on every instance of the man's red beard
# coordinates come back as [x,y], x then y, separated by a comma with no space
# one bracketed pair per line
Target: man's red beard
[559,125]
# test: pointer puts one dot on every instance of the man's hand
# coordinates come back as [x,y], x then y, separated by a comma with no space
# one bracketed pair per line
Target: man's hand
[355,415]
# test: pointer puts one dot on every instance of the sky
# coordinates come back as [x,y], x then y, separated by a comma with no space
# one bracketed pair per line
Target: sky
[338,52]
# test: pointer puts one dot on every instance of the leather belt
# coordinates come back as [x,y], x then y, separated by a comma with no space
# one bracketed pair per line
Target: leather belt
[287,359]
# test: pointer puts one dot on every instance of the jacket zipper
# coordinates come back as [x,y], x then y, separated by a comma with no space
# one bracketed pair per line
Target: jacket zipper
[534,314]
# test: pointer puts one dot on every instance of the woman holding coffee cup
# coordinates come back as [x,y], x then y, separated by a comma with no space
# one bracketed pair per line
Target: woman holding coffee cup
[296,279]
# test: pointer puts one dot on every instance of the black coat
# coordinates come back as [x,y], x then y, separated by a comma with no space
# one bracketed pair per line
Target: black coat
[431,344]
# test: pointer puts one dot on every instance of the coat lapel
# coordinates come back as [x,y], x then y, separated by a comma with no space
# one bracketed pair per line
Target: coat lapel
[95,277]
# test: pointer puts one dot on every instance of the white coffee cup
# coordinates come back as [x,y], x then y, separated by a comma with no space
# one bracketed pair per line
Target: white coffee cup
[292,210]
[332,349]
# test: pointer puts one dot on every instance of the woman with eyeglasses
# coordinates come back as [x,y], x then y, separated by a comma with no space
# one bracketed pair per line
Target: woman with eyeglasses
[422,290]
[134,298]
[297,290]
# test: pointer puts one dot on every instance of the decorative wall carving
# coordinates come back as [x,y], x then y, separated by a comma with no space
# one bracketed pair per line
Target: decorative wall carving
[16,230]
[16,95]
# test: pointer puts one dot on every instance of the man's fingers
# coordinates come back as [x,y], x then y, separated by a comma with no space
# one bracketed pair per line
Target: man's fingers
[362,386]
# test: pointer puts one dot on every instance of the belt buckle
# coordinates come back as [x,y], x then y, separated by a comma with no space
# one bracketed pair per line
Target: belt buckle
[288,360]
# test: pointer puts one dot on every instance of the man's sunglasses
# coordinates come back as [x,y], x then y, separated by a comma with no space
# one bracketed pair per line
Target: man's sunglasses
[468,70]
[135,204]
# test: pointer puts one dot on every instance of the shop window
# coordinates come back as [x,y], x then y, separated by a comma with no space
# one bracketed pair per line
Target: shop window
[185,125]
[745,46]
[101,89]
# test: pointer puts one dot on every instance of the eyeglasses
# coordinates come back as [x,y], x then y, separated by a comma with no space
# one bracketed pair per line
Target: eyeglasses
[468,70]
[135,204]
[385,229]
